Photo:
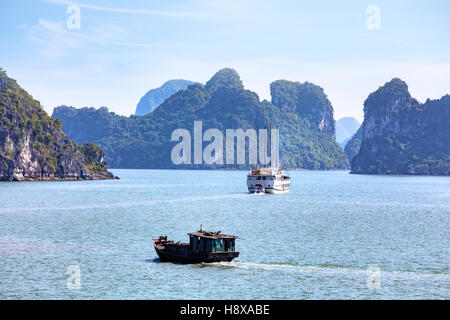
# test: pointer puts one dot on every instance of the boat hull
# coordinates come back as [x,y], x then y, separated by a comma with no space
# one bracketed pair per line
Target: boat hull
[274,183]
[277,191]
[186,257]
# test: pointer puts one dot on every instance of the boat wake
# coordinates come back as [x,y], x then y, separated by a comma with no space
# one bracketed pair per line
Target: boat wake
[326,270]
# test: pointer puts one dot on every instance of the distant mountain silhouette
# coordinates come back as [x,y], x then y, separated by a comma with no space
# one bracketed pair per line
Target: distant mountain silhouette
[153,98]
[345,129]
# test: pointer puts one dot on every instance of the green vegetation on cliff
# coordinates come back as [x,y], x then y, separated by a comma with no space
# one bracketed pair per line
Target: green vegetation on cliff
[352,147]
[32,144]
[402,136]
[302,113]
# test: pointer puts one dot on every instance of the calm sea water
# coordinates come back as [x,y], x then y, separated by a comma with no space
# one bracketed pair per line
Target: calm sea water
[316,242]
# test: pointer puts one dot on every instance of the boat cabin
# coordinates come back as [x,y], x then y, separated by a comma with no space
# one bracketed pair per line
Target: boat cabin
[204,241]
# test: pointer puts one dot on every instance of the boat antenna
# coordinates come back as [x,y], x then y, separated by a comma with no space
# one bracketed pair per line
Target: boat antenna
[201,228]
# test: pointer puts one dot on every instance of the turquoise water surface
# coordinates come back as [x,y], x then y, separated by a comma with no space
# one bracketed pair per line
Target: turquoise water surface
[323,240]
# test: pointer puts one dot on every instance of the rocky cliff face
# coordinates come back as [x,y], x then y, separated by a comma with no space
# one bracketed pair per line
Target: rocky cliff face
[32,145]
[402,136]
[305,99]
[353,145]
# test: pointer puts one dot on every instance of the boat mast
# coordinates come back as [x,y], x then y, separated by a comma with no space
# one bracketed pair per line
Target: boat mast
[265,153]
[270,144]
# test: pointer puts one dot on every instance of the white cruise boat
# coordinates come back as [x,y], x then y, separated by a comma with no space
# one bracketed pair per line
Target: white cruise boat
[268,180]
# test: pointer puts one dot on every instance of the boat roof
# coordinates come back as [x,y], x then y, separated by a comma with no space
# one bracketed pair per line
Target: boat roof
[211,235]
[266,171]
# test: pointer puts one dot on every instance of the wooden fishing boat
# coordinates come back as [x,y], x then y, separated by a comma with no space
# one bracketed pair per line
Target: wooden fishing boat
[203,246]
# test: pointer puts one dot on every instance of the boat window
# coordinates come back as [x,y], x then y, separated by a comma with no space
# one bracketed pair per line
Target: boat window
[219,245]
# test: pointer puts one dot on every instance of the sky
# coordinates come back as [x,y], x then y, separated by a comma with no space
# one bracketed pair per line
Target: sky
[121,49]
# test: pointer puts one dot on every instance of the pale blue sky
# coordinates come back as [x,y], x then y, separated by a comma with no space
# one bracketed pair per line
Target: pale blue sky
[125,48]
